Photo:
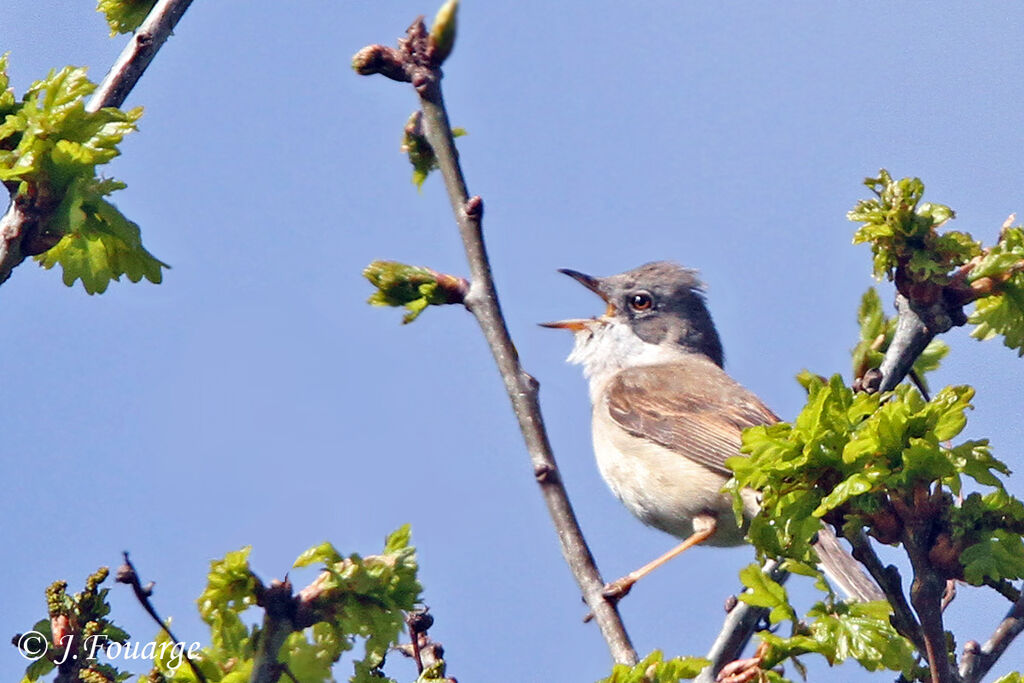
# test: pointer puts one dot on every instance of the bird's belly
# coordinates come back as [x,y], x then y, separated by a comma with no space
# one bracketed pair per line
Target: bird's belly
[665,489]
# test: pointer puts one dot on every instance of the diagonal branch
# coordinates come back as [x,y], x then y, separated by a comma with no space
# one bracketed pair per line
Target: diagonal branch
[417,62]
[974,667]
[737,629]
[126,574]
[482,301]
[137,54]
[888,579]
[22,223]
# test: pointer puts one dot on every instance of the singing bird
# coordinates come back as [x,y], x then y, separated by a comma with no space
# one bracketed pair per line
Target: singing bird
[666,416]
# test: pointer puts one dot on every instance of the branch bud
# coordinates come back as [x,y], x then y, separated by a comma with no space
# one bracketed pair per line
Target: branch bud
[379,59]
[413,287]
[442,33]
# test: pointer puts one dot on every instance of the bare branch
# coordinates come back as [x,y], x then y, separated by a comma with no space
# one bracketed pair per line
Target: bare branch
[916,327]
[888,579]
[926,591]
[126,574]
[973,668]
[739,626]
[137,54]
[482,301]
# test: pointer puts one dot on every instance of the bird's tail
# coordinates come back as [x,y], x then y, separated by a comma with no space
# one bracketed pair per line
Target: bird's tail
[843,570]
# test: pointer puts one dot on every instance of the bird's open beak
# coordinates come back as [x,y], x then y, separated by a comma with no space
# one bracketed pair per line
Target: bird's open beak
[575,324]
[580,324]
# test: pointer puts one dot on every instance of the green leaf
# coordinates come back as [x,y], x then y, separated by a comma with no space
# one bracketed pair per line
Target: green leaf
[1002,257]
[7,100]
[853,486]
[413,287]
[902,232]
[654,668]
[325,553]
[51,146]
[124,16]
[1002,314]
[951,404]
[99,243]
[766,592]
[230,586]
[998,556]
[1013,677]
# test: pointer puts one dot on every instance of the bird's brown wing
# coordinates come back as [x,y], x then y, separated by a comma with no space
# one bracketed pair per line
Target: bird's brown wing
[692,408]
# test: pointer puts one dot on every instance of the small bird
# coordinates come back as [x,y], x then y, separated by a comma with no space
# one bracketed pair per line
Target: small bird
[666,416]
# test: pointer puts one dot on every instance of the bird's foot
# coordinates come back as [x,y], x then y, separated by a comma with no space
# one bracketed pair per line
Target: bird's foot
[616,590]
[613,592]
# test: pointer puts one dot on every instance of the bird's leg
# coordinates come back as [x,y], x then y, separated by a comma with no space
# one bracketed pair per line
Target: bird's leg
[703,528]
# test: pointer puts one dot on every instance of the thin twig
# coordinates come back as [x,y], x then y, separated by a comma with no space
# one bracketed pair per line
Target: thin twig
[740,624]
[888,579]
[126,574]
[137,54]
[21,223]
[482,302]
[973,669]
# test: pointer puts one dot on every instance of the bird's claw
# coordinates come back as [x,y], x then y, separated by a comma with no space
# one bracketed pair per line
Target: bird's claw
[613,592]
[616,590]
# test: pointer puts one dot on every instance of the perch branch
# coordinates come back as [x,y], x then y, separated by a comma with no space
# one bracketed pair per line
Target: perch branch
[420,66]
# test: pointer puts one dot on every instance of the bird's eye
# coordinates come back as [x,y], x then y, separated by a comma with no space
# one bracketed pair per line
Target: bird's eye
[641,301]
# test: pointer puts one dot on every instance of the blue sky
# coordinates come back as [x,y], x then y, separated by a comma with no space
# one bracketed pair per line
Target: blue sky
[254,398]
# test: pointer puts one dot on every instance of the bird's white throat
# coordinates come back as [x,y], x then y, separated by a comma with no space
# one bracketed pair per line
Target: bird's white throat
[606,347]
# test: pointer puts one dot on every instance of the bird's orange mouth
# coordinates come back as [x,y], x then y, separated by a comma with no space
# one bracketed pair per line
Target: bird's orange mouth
[581,324]
[574,324]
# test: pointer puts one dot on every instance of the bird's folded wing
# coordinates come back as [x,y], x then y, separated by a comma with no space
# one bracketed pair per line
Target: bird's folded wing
[693,408]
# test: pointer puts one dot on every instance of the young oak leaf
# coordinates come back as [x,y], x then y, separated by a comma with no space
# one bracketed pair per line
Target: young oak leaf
[124,16]
[413,287]
[654,668]
[99,244]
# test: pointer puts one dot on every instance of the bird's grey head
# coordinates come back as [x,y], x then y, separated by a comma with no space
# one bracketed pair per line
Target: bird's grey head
[659,305]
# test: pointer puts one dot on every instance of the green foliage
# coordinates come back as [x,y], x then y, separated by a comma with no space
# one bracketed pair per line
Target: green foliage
[1002,312]
[421,154]
[876,333]
[50,148]
[99,243]
[763,591]
[836,630]
[926,265]
[1011,678]
[413,287]
[882,461]
[124,16]
[80,622]
[839,631]
[654,668]
[902,231]
[354,597]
